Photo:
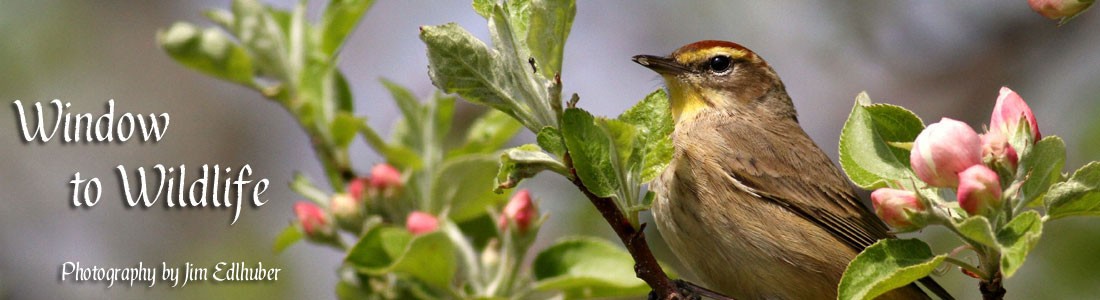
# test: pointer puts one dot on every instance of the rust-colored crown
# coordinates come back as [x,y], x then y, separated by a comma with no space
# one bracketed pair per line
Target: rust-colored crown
[708,44]
[702,50]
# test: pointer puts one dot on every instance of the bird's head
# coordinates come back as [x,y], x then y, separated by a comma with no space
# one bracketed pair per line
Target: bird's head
[720,75]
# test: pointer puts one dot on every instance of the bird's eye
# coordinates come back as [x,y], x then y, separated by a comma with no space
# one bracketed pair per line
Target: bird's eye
[719,64]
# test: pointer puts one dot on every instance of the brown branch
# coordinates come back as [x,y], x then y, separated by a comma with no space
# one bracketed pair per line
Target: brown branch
[645,264]
[993,289]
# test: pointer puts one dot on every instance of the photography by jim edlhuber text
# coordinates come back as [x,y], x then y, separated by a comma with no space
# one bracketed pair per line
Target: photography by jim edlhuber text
[148,276]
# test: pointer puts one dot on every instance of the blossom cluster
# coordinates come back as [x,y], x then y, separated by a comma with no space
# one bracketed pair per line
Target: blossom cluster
[950,154]
[349,210]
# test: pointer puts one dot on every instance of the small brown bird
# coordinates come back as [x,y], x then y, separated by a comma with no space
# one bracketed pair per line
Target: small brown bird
[749,202]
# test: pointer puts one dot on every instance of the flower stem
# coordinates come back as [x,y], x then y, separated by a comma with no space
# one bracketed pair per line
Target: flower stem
[966,266]
[468,255]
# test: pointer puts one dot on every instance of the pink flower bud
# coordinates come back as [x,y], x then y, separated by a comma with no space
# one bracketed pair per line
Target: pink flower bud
[385,179]
[356,187]
[520,210]
[312,218]
[1008,111]
[979,190]
[420,223]
[943,150]
[996,149]
[899,208]
[1057,9]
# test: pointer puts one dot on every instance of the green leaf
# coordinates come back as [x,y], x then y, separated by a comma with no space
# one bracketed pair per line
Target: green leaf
[342,93]
[590,148]
[1042,164]
[488,133]
[647,200]
[424,127]
[402,157]
[865,151]
[281,17]
[978,229]
[460,63]
[264,36]
[473,194]
[407,102]
[653,119]
[209,51]
[548,29]
[549,138]
[517,13]
[587,267]
[501,77]
[222,17]
[624,142]
[379,249]
[886,265]
[443,110]
[301,185]
[896,126]
[338,20]
[1085,3]
[292,234]
[429,257]
[319,93]
[397,155]
[508,30]
[1017,238]
[409,131]
[402,135]
[298,43]
[346,290]
[524,162]
[344,128]
[1078,196]
[484,7]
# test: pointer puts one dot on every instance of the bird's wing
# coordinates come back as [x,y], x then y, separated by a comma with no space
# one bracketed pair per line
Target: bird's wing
[805,182]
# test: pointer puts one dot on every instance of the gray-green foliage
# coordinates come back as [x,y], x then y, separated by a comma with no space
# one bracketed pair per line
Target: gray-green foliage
[286,58]
[293,62]
[518,74]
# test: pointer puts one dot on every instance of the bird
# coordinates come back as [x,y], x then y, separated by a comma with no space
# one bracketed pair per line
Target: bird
[749,203]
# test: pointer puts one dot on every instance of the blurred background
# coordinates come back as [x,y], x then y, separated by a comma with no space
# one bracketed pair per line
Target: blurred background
[937,58]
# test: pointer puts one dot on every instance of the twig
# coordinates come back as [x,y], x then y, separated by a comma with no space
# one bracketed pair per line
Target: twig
[645,264]
[992,289]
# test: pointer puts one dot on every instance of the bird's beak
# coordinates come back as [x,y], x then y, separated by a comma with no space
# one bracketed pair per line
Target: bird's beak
[661,65]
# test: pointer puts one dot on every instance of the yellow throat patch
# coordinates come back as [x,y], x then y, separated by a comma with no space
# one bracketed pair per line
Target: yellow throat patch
[685,100]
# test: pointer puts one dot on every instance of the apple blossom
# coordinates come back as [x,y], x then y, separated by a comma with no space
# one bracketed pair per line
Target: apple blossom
[312,219]
[385,180]
[519,210]
[899,208]
[1008,112]
[420,223]
[979,190]
[1057,9]
[943,150]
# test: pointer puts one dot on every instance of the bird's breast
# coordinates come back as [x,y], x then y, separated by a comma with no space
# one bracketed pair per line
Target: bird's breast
[735,242]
